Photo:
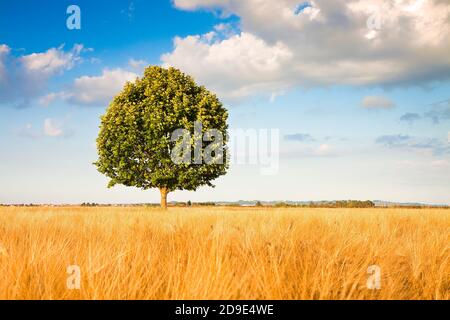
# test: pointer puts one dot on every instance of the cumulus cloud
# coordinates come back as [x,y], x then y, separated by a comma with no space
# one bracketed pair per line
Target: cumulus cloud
[377,102]
[94,90]
[53,61]
[232,67]
[99,89]
[25,77]
[279,46]
[137,64]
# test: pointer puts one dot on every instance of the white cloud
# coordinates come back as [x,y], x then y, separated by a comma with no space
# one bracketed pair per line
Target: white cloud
[196,4]
[49,98]
[52,128]
[100,89]
[94,90]
[325,150]
[325,45]
[377,102]
[234,67]
[25,77]
[4,48]
[4,51]
[274,95]
[53,61]
[137,64]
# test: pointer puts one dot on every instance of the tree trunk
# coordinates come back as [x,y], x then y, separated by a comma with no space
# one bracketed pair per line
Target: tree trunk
[164,192]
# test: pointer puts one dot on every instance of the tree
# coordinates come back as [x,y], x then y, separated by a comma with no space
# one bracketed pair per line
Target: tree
[139,139]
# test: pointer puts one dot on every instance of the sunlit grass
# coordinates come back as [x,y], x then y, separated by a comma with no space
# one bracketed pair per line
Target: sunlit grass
[224,253]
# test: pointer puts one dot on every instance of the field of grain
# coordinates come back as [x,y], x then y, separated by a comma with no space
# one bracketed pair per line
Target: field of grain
[224,253]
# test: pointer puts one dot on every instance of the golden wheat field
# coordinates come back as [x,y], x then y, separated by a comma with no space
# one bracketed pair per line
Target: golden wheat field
[224,253]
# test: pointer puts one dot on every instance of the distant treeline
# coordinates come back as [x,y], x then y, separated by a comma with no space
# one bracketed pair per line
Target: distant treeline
[324,204]
[172,204]
[280,204]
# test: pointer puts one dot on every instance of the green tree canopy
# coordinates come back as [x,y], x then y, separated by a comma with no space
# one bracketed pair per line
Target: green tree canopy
[135,143]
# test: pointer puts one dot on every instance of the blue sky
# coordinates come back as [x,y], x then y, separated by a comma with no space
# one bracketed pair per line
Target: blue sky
[363,111]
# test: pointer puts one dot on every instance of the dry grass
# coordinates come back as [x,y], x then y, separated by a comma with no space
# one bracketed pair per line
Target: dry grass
[224,253]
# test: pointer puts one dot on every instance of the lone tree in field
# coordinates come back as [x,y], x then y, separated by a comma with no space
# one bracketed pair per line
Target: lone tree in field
[139,139]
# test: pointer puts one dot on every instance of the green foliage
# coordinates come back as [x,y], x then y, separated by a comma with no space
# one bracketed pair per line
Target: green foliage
[134,143]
